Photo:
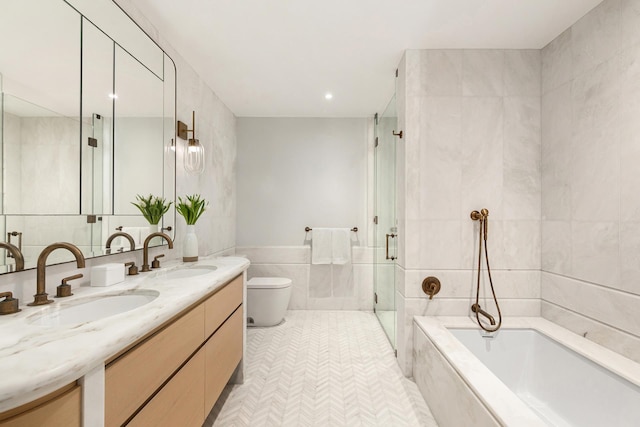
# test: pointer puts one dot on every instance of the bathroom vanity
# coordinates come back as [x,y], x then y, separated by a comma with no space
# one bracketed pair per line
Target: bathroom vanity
[162,363]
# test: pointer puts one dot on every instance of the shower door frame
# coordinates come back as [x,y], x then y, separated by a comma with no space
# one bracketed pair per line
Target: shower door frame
[385,222]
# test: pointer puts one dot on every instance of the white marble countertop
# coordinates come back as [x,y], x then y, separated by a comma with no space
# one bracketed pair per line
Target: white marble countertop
[37,360]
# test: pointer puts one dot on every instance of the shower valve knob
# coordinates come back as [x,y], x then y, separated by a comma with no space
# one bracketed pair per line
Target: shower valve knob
[431,286]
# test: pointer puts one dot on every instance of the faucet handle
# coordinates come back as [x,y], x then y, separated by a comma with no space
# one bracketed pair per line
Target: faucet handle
[9,305]
[156,263]
[64,289]
[133,270]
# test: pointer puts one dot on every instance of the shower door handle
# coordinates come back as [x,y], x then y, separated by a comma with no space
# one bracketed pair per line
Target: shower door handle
[387,244]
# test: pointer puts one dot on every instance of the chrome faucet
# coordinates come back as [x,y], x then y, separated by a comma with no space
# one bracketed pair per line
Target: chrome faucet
[145,249]
[40,298]
[17,255]
[132,243]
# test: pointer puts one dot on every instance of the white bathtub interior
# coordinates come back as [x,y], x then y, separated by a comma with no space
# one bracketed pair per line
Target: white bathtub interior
[561,386]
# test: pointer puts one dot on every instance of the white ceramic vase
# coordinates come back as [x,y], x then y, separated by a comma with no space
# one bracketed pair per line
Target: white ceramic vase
[190,245]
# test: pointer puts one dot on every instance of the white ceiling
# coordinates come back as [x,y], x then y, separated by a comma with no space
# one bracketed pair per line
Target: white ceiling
[269,58]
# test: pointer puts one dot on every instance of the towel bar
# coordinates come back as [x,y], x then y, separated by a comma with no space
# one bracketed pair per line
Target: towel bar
[308,229]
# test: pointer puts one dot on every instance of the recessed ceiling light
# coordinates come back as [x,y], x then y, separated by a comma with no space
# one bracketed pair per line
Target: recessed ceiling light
[328,96]
[113,96]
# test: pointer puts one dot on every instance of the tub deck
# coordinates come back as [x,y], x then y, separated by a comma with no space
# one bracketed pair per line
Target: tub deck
[461,390]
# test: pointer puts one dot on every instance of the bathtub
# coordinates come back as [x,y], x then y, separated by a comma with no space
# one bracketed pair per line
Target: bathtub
[530,373]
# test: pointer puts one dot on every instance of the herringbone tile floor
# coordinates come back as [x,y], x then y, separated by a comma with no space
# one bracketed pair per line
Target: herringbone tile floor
[321,368]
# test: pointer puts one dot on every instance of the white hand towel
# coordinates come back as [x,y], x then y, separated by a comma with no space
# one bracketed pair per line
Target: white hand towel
[341,246]
[321,246]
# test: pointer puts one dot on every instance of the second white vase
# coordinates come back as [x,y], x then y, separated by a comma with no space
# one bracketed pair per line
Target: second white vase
[190,245]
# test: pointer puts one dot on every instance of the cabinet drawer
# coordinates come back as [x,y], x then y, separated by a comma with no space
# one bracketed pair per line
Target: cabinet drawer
[133,378]
[222,304]
[222,354]
[181,400]
[61,411]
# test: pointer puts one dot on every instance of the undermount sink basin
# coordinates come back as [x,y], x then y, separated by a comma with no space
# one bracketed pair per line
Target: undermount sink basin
[94,309]
[188,272]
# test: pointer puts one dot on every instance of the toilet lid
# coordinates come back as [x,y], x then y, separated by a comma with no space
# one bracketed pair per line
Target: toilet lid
[268,283]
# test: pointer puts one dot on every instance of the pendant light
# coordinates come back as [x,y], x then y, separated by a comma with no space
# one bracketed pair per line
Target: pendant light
[194,154]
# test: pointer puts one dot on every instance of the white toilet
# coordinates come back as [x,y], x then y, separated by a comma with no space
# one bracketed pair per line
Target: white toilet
[267,300]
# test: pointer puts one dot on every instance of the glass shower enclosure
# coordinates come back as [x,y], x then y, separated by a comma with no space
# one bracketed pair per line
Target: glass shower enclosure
[385,235]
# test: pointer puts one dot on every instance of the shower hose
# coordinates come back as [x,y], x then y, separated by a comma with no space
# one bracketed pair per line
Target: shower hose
[482,217]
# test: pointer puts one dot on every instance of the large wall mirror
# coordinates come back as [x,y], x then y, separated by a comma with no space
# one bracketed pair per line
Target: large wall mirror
[87,103]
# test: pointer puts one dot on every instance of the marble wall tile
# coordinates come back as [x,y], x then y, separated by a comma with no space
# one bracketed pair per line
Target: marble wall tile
[556,247]
[557,62]
[629,22]
[595,255]
[629,258]
[609,306]
[320,278]
[522,244]
[521,161]
[411,72]
[342,281]
[412,147]
[556,134]
[461,284]
[441,72]
[440,244]
[522,73]
[596,36]
[483,72]
[482,154]
[629,133]
[277,254]
[614,339]
[440,167]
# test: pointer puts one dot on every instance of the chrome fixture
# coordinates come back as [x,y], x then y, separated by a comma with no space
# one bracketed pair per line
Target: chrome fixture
[431,286]
[40,298]
[483,218]
[145,249]
[15,253]
[64,289]
[194,155]
[132,243]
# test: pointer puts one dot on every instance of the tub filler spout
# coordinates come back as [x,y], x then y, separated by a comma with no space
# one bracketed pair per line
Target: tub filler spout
[476,309]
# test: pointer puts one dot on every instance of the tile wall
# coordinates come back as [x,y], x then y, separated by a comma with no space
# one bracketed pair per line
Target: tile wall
[316,287]
[472,125]
[590,180]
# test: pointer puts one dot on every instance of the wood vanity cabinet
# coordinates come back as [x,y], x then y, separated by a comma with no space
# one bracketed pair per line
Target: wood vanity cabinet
[175,376]
[61,408]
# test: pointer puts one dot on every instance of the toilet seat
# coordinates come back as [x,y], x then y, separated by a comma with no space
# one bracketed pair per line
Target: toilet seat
[268,283]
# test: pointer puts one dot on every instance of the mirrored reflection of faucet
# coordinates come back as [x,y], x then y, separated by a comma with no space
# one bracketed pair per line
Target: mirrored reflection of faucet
[17,255]
[40,298]
[132,243]
[145,249]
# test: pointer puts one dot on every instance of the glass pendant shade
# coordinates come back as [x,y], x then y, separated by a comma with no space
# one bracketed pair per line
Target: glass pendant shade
[194,153]
[194,157]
